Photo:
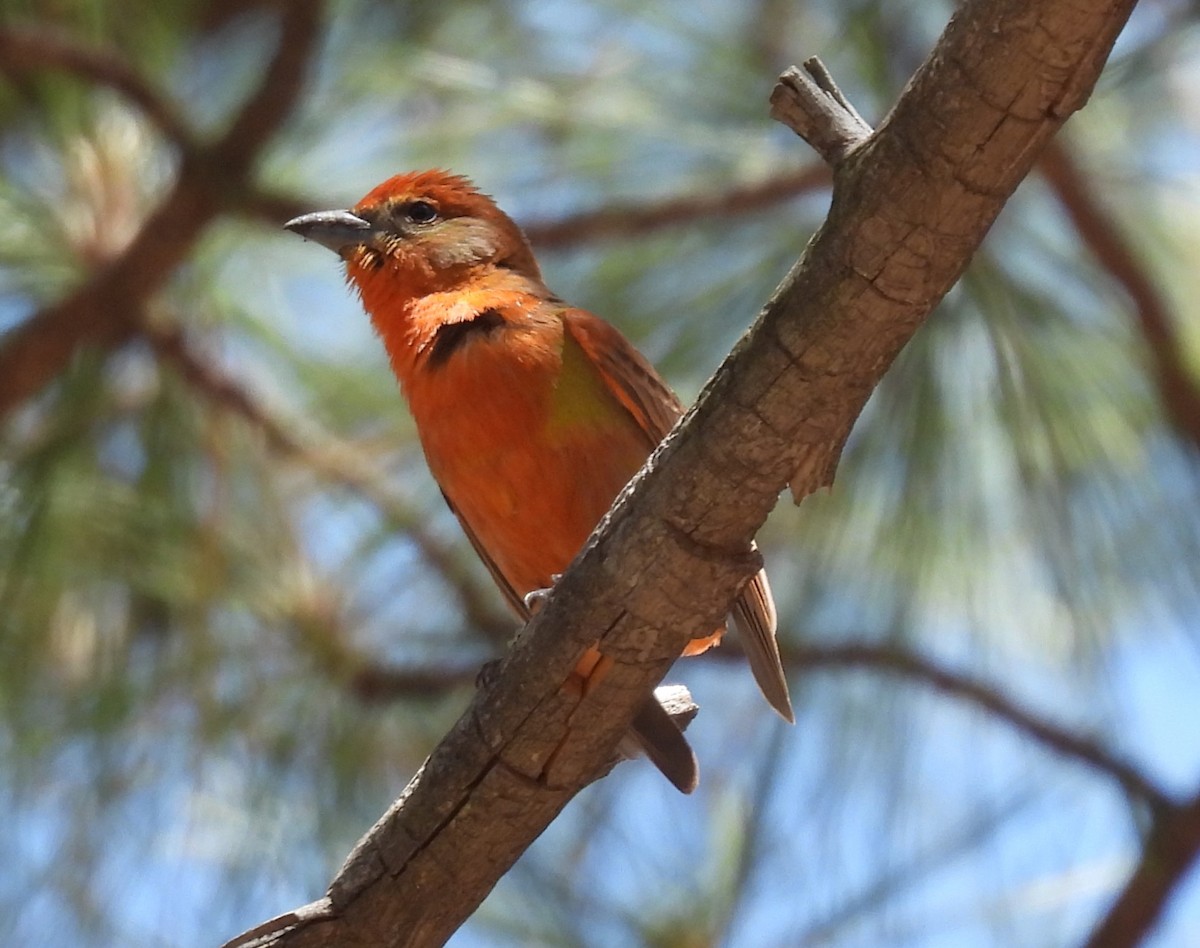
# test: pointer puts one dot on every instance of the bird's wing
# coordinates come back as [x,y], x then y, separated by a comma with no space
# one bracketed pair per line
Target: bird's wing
[627,374]
[639,387]
[511,596]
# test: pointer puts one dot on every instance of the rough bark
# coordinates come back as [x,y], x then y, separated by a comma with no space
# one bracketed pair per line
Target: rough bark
[910,206]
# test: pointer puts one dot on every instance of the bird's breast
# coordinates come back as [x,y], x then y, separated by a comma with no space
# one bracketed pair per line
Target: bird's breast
[527,443]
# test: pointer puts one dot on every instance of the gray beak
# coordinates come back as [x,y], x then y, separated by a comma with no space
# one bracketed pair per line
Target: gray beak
[336,230]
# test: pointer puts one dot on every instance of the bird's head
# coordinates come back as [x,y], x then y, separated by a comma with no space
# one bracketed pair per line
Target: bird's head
[426,227]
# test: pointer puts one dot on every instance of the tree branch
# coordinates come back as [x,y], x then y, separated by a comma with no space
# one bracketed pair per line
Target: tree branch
[25,50]
[1169,853]
[636,220]
[384,683]
[814,108]
[611,222]
[104,310]
[894,660]
[1177,386]
[910,206]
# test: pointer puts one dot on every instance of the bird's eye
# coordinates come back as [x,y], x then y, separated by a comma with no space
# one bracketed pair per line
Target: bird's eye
[420,212]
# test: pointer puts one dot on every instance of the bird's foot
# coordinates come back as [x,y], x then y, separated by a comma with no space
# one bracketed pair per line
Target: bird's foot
[536,598]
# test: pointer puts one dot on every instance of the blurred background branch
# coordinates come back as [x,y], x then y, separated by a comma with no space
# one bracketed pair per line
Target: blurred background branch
[102,312]
[25,50]
[1178,388]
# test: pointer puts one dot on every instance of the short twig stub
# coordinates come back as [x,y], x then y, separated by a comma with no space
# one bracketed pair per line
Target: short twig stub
[818,111]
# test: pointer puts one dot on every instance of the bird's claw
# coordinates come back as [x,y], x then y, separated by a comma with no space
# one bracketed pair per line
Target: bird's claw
[536,598]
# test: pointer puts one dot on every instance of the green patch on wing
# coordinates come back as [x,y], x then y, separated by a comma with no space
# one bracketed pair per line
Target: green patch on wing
[581,398]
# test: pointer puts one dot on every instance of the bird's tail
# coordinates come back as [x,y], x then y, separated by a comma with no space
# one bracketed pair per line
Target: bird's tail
[655,734]
[756,621]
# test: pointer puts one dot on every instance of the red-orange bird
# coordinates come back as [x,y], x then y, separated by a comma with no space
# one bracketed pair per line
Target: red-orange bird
[532,414]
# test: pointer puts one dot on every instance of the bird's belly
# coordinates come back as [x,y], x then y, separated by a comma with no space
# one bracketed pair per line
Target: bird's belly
[532,502]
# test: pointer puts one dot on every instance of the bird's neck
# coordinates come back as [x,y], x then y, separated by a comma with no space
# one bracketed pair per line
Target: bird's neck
[411,307]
